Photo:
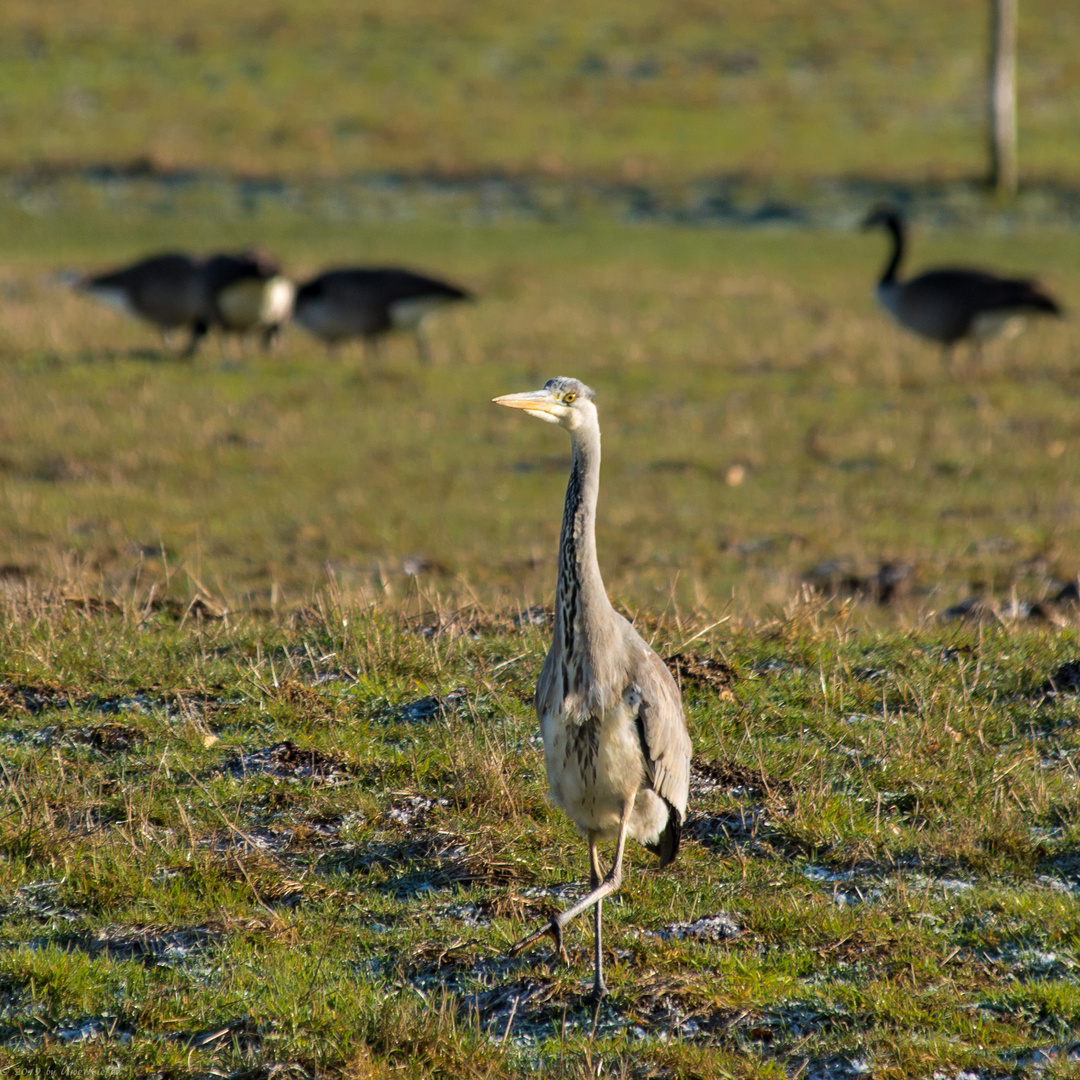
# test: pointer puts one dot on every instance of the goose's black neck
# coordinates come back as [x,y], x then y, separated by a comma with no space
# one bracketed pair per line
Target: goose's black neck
[896,231]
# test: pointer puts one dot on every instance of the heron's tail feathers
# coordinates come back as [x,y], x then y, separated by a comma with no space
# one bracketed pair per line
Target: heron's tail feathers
[667,846]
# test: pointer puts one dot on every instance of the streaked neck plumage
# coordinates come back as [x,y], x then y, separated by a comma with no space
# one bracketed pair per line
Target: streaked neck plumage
[584,617]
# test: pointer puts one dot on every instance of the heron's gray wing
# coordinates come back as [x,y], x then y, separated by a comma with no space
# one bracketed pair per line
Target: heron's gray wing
[665,739]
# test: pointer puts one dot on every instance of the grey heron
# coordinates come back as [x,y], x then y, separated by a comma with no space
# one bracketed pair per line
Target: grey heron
[369,303]
[950,305]
[616,748]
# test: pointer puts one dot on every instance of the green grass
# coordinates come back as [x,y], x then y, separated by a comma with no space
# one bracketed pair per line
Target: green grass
[715,355]
[899,895]
[651,90]
[894,829]
[199,562]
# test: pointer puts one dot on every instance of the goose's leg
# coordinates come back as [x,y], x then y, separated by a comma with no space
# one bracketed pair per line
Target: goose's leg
[372,349]
[198,332]
[423,350]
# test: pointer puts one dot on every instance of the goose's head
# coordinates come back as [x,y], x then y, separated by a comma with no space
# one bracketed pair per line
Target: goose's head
[887,217]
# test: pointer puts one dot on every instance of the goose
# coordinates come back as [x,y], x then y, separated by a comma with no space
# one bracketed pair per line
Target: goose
[950,305]
[368,303]
[245,292]
[165,290]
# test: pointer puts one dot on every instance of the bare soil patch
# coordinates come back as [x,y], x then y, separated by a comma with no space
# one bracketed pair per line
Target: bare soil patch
[704,672]
[284,761]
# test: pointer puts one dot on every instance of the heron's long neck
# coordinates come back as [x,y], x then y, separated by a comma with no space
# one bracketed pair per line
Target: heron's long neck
[581,604]
[896,231]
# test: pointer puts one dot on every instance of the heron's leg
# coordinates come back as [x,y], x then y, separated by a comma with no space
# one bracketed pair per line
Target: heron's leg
[610,883]
[599,986]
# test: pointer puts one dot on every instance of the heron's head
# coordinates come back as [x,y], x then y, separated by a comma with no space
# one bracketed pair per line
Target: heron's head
[882,216]
[564,401]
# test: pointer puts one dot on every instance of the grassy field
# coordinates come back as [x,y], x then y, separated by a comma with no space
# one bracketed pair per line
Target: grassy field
[658,89]
[717,356]
[270,794]
[252,848]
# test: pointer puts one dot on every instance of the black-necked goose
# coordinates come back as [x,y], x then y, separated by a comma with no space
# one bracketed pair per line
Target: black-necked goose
[166,290]
[953,304]
[368,303]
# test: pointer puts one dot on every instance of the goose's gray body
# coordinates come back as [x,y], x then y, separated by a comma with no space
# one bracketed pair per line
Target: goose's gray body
[953,304]
[366,303]
[165,290]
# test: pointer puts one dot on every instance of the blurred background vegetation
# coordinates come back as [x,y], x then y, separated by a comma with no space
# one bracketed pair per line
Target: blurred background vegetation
[563,161]
[657,89]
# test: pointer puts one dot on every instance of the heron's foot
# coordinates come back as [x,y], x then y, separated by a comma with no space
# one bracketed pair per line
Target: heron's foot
[554,929]
[599,990]
[556,935]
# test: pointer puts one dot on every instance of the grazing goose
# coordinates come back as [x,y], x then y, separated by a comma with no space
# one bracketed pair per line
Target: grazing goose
[247,292]
[165,290]
[368,303]
[616,748]
[953,304]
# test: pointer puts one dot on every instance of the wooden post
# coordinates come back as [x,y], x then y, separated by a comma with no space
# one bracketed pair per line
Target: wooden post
[1004,172]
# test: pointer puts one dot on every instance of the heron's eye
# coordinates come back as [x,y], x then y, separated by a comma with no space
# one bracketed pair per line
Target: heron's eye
[569,398]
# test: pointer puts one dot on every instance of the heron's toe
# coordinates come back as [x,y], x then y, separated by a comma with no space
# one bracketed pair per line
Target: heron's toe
[557,936]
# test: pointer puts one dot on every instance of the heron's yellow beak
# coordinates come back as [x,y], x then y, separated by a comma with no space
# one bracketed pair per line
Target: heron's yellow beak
[539,403]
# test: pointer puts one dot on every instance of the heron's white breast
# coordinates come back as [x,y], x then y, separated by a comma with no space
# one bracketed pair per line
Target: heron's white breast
[592,780]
